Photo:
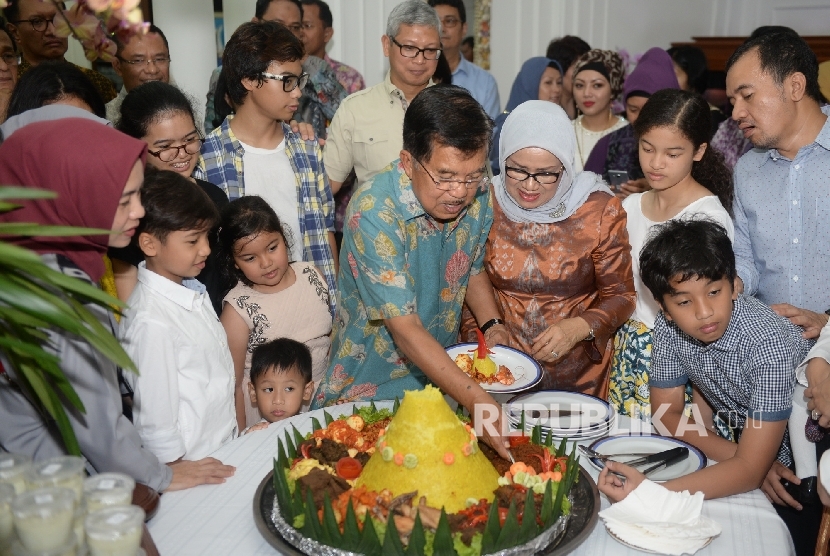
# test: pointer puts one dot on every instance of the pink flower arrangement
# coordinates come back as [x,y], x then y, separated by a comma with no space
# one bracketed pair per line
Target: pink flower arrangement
[96,22]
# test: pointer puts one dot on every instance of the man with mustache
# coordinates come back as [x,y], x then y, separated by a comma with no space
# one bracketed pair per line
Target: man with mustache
[782,209]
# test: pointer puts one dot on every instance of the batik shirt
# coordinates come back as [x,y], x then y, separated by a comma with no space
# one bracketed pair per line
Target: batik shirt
[749,373]
[396,260]
[220,163]
[349,77]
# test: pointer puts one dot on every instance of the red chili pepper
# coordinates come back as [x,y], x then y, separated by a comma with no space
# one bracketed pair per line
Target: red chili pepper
[502,516]
[481,351]
[304,447]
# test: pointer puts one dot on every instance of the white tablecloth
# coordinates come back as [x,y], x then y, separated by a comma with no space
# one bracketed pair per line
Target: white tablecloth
[219,519]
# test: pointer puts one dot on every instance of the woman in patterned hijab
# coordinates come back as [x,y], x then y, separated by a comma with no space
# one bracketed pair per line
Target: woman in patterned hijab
[598,80]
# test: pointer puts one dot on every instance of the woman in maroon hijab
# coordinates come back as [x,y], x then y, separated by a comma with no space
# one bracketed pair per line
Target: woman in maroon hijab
[97,173]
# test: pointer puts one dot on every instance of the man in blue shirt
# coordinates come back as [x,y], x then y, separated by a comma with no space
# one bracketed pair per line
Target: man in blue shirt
[465,74]
[782,208]
[782,187]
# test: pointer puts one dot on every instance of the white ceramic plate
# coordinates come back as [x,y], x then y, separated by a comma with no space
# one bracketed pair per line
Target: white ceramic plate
[540,407]
[623,444]
[525,369]
[640,548]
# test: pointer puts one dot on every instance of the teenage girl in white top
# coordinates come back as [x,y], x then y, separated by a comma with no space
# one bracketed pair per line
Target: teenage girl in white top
[688,180]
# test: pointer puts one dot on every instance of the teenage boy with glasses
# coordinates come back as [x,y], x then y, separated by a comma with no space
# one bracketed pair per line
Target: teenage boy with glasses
[30,23]
[254,152]
[365,133]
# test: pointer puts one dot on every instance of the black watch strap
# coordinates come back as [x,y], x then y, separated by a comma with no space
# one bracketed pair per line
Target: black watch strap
[490,323]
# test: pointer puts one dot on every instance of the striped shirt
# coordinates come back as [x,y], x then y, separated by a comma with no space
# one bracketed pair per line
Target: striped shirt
[221,163]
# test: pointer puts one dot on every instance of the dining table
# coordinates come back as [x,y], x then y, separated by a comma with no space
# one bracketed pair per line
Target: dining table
[219,519]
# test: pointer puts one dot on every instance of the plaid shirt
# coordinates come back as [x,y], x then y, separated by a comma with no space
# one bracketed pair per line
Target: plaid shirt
[748,372]
[220,163]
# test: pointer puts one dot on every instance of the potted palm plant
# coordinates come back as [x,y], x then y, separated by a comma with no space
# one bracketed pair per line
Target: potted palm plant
[34,298]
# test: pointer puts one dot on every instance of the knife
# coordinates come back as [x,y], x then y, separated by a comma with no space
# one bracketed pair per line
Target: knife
[682,453]
[534,414]
[659,456]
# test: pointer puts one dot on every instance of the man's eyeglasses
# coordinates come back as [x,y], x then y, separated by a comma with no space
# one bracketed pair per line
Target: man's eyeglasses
[10,58]
[409,51]
[39,24]
[543,178]
[289,80]
[450,184]
[169,154]
[450,22]
[159,62]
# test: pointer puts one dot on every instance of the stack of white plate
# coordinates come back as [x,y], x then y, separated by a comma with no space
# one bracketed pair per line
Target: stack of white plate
[564,414]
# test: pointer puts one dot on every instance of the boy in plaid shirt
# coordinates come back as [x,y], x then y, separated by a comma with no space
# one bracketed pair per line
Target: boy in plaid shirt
[738,354]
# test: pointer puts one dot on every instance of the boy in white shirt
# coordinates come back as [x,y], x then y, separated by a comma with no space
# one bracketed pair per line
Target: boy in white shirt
[183,403]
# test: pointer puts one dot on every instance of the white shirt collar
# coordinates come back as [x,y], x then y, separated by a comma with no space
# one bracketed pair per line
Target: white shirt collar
[190,294]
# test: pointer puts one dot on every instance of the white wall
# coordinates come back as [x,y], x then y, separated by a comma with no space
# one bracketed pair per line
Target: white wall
[521,29]
[188,26]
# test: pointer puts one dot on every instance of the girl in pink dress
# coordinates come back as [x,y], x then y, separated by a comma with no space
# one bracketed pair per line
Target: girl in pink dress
[272,298]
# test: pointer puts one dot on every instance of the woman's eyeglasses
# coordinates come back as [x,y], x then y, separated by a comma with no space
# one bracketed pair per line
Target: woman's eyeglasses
[289,80]
[543,178]
[169,154]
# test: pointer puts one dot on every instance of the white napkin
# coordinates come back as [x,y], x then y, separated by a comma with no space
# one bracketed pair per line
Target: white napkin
[654,518]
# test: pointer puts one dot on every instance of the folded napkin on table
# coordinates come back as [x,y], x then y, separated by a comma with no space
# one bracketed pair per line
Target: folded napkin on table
[655,518]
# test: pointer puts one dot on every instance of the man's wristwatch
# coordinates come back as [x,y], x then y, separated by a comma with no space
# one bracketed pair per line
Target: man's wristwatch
[590,337]
[489,324]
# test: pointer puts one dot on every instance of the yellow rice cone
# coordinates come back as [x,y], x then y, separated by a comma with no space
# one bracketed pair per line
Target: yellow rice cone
[413,455]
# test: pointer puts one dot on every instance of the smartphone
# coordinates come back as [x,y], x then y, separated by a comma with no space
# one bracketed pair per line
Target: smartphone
[617,177]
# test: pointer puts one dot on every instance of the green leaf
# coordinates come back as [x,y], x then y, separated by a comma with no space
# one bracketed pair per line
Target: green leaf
[298,438]
[536,434]
[369,542]
[417,538]
[49,400]
[282,456]
[392,540]
[549,439]
[290,448]
[547,506]
[297,503]
[355,410]
[443,543]
[332,530]
[283,493]
[522,422]
[509,535]
[372,406]
[528,529]
[312,526]
[396,405]
[329,419]
[40,230]
[8,192]
[560,451]
[491,530]
[315,424]
[351,531]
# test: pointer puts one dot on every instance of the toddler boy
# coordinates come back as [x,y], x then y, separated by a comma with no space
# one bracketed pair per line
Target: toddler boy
[280,380]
